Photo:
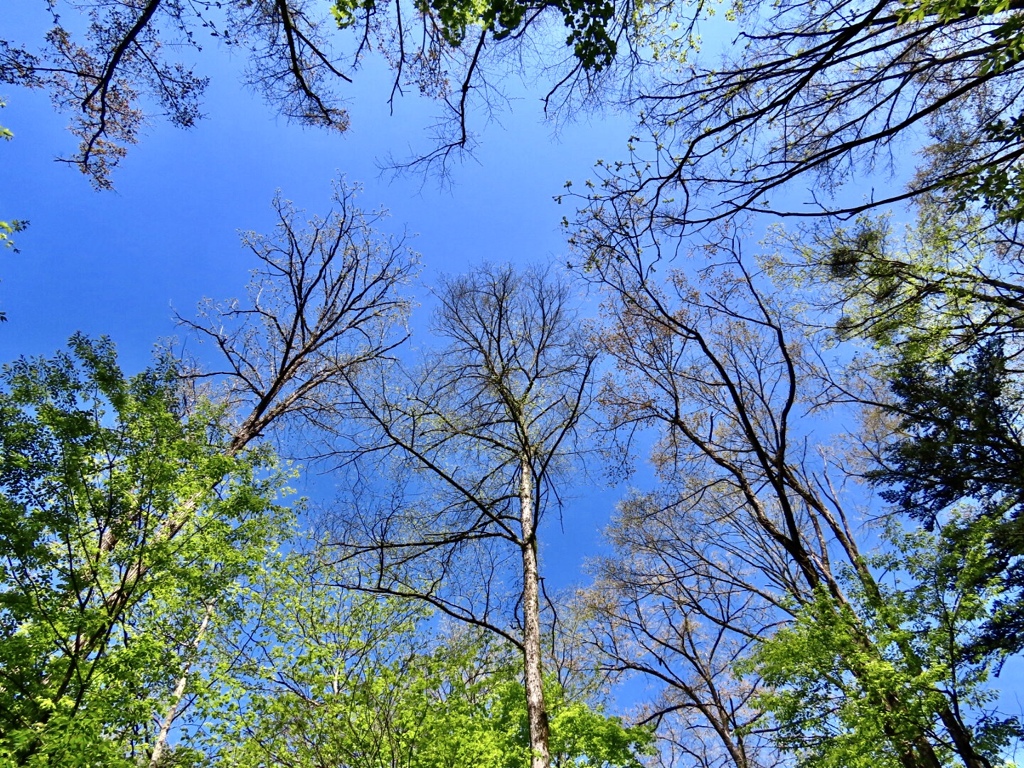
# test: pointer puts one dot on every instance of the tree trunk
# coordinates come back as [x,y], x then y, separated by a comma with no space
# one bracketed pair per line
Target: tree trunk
[179,692]
[535,706]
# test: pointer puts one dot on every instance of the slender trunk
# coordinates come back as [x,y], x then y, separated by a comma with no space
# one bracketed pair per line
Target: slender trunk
[179,692]
[535,707]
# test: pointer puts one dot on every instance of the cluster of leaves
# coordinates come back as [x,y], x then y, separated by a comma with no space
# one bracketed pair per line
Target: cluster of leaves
[960,443]
[843,688]
[996,187]
[7,229]
[332,677]
[586,20]
[99,603]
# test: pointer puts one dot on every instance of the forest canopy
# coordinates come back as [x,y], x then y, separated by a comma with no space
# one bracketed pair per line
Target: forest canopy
[801,442]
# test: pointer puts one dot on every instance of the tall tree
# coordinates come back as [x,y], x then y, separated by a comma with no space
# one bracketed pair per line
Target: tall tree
[716,366]
[97,607]
[941,305]
[324,302]
[333,677]
[486,425]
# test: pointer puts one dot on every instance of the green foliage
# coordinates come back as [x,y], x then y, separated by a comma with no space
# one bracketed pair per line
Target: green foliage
[942,310]
[332,677]
[960,442]
[865,683]
[7,229]
[121,519]
[584,736]
[958,439]
[991,175]
[997,187]
[588,22]
[993,178]
[926,294]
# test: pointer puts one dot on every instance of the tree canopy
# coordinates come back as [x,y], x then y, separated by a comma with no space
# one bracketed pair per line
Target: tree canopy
[99,603]
[110,65]
[818,559]
[814,111]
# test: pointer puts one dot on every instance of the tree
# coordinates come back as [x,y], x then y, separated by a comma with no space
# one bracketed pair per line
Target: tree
[713,363]
[940,305]
[106,63]
[958,449]
[678,604]
[97,608]
[485,427]
[815,95]
[324,303]
[935,596]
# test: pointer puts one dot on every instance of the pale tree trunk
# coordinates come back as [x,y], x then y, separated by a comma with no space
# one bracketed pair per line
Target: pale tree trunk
[179,692]
[535,707]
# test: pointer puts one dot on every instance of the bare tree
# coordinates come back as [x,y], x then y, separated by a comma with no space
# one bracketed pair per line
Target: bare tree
[756,502]
[107,64]
[325,302]
[814,111]
[683,599]
[482,431]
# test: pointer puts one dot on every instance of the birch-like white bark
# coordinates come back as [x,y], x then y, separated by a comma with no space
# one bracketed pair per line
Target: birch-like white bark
[535,706]
[179,692]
